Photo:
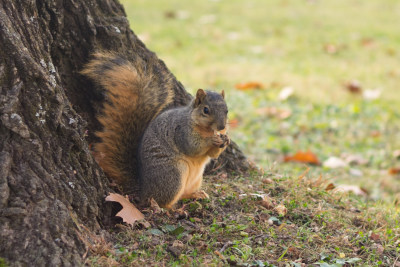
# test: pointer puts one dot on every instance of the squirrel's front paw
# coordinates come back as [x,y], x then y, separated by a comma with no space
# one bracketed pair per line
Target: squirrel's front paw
[221,140]
[217,140]
[226,140]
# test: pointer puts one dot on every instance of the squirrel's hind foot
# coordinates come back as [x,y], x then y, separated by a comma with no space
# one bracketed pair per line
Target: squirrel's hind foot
[199,195]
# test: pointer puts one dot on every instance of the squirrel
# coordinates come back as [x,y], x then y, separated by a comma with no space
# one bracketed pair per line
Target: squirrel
[147,141]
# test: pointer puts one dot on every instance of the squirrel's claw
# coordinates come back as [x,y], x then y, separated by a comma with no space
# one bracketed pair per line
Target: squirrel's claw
[226,140]
[217,140]
[200,195]
[221,141]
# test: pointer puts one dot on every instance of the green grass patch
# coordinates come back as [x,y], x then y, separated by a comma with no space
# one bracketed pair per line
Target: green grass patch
[234,227]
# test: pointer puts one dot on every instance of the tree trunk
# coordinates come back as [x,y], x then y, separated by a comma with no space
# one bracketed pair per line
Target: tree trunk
[51,189]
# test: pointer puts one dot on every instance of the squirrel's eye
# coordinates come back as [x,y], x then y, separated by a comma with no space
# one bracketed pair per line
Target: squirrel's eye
[206,110]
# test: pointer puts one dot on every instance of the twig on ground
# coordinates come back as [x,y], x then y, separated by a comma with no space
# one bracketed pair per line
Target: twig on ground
[226,245]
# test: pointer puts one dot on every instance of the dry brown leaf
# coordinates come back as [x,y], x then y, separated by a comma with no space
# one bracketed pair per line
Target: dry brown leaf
[375,237]
[330,48]
[367,42]
[375,134]
[267,202]
[129,212]
[281,210]
[274,112]
[329,187]
[303,157]
[219,254]
[233,123]
[267,181]
[394,171]
[248,86]
[170,14]
[354,87]
[154,206]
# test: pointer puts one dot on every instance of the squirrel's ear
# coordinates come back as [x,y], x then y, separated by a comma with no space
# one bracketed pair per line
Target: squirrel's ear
[200,95]
[223,94]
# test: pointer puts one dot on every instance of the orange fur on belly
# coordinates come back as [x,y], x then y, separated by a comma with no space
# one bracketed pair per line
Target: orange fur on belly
[194,174]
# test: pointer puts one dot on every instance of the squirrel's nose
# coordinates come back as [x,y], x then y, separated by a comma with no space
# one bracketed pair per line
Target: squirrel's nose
[220,127]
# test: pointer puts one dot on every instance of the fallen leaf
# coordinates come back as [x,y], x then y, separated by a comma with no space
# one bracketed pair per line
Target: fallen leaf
[367,42]
[334,163]
[274,112]
[154,206]
[170,14]
[330,48]
[359,191]
[354,87]
[375,134]
[233,123]
[303,157]
[129,212]
[379,248]
[267,181]
[219,254]
[248,86]
[285,93]
[394,171]
[281,210]
[329,187]
[375,237]
[267,202]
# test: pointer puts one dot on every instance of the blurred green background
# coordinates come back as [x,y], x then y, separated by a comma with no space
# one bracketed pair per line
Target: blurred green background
[338,60]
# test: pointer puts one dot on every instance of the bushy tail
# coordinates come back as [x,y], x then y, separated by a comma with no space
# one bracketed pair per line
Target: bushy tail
[134,99]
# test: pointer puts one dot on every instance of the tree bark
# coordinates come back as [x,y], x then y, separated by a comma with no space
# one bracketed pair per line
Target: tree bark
[51,189]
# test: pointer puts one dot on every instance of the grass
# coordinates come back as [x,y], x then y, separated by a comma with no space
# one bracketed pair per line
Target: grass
[235,227]
[316,48]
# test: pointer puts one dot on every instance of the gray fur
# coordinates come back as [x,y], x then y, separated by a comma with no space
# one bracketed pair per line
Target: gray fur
[171,137]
